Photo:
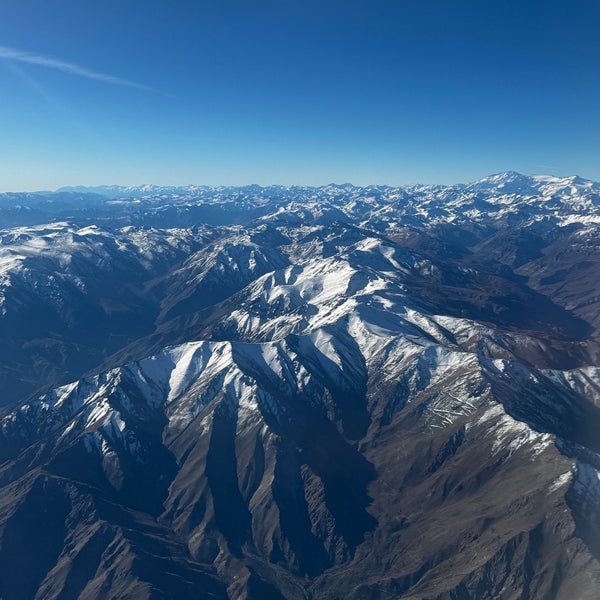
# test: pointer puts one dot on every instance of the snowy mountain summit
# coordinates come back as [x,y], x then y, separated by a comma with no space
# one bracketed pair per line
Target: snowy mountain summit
[295,392]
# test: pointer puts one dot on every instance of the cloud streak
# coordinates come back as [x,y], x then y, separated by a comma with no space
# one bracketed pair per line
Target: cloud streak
[12,54]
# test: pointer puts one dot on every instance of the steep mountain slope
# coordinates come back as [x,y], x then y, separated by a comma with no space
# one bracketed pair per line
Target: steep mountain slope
[70,296]
[358,393]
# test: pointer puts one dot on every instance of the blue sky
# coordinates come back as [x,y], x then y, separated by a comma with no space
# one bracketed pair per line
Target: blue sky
[296,92]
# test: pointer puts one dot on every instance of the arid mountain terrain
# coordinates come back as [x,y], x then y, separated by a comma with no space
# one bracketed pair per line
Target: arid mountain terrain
[301,393]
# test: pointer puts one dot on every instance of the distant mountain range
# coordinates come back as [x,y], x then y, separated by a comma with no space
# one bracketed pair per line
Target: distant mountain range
[301,393]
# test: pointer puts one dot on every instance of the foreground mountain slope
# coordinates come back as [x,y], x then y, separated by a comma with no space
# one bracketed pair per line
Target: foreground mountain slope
[369,405]
[248,453]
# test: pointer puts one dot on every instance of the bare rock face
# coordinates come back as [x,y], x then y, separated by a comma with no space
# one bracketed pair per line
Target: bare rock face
[329,393]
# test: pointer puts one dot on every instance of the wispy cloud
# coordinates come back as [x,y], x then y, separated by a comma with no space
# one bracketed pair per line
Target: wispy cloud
[12,54]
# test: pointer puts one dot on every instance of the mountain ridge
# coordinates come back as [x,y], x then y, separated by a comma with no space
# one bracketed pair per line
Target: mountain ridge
[303,393]
[501,177]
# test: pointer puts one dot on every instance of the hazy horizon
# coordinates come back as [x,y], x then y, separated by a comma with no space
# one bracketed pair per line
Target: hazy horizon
[287,185]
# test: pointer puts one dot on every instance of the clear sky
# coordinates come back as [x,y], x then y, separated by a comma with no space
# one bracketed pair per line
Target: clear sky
[296,91]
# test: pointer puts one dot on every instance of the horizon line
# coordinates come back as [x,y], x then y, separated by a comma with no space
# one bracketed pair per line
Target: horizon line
[91,188]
